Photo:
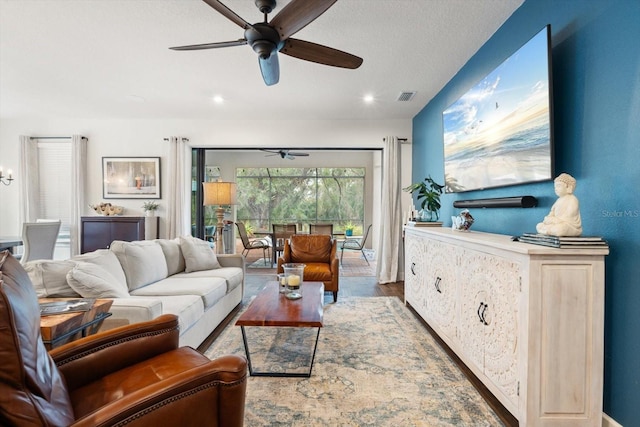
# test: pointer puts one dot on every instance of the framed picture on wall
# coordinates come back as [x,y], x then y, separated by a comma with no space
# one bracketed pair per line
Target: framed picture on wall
[131,177]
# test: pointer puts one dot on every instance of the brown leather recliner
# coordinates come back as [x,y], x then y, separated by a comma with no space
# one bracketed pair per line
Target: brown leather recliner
[318,253]
[134,375]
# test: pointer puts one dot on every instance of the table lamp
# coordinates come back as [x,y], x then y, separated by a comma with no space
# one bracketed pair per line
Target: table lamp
[220,194]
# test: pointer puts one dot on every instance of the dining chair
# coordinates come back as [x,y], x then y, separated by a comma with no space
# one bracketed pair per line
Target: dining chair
[355,244]
[282,232]
[321,229]
[249,244]
[39,239]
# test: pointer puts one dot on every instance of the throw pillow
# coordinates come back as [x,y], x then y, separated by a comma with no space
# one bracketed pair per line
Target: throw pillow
[49,278]
[143,262]
[107,260]
[173,255]
[93,281]
[198,255]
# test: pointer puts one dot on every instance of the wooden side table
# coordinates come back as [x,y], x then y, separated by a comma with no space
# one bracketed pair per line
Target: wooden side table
[60,329]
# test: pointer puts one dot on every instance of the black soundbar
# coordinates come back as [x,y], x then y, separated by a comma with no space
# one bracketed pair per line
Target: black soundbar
[500,202]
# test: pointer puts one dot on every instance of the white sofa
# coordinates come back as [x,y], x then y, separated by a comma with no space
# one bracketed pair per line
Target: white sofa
[148,278]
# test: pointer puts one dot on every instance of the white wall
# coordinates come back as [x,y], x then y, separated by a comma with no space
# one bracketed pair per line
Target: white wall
[146,138]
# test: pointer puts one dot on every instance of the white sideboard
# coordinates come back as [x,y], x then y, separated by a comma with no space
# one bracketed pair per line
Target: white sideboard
[527,320]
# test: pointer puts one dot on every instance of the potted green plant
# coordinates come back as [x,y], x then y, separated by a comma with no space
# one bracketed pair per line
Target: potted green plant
[348,229]
[428,194]
[150,207]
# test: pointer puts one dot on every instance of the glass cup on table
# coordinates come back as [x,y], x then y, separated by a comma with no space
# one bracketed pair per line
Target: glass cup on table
[294,277]
[282,282]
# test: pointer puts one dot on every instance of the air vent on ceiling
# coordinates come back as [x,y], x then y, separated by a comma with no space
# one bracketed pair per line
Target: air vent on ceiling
[406,96]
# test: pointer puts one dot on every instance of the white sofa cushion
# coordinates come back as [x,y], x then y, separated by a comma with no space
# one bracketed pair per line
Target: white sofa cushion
[143,262]
[49,278]
[210,289]
[106,259]
[232,275]
[173,255]
[93,281]
[198,255]
[133,310]
[125,311]
[188,308]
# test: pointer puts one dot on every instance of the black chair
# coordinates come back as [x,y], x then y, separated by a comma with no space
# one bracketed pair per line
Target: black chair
[355,244]
[321,229]
[249,244]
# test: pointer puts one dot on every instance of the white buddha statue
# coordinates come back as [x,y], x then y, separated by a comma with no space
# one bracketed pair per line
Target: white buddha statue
[564,217]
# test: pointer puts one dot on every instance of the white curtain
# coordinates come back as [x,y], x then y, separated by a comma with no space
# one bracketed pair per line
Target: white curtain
[178,202]
[29,180]
[390,256]
[78,180]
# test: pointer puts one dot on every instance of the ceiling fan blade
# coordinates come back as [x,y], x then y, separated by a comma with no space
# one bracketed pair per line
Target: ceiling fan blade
[297,14]
[297,154]
[321,54]
[270,69]
[227,13]
[238,42]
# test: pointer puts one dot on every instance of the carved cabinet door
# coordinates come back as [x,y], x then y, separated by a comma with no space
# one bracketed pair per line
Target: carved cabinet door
[490,297]
[440,288]
[414,290]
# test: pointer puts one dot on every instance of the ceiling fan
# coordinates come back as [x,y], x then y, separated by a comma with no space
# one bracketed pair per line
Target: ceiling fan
[285,154]
[269,38]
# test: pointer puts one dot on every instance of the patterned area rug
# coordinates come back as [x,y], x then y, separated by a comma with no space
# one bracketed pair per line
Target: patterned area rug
[375,365]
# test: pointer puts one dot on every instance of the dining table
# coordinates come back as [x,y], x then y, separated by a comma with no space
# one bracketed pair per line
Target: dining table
[9,242]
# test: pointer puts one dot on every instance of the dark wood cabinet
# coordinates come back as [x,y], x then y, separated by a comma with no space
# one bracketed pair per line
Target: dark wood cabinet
[99,231]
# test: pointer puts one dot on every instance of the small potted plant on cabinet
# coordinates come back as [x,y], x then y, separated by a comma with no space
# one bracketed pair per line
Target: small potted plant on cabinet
[429,193]
[150,207]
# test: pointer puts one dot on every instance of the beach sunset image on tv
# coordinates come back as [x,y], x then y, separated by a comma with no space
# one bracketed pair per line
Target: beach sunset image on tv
[499,132]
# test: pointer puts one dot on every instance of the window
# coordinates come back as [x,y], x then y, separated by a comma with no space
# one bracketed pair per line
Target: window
[301,195]
[54,170]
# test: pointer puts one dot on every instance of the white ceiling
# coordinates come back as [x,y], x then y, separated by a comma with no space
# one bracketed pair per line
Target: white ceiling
[110,59]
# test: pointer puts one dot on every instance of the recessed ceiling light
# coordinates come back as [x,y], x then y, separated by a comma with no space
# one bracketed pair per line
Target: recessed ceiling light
[218,99]
[368,98]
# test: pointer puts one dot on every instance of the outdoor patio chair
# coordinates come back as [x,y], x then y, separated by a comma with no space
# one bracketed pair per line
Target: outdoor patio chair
[321,229]
[355,244]
[249,244]
[282,232]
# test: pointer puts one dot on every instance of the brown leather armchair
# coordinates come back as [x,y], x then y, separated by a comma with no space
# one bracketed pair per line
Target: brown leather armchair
[134,375]
[318,253]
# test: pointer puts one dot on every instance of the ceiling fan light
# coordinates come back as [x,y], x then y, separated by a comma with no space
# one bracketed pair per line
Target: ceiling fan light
[263,48]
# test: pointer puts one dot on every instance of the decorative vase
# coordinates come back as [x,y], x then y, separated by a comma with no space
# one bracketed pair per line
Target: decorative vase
[348,232]
[150,213]
[426,215]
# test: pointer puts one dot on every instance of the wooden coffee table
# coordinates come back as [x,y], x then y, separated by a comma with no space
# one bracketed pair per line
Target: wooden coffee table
[271,308]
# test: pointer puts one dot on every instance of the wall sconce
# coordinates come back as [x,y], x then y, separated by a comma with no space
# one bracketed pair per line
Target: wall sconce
[6,180]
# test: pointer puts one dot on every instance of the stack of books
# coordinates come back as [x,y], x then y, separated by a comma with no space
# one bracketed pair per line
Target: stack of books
[579,242]
[424,223]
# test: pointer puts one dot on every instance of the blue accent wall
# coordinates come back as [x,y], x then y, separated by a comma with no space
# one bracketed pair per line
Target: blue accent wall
[596,95]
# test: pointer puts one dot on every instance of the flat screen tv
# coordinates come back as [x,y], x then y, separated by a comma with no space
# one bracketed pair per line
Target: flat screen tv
[499,133]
